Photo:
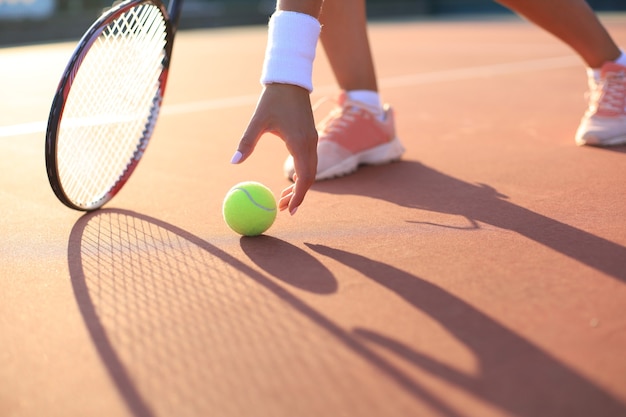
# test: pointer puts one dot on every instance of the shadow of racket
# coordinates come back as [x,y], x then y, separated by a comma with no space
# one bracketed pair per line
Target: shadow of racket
[186,329]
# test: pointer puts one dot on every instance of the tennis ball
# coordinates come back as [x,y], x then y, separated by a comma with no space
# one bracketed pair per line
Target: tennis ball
[249,208]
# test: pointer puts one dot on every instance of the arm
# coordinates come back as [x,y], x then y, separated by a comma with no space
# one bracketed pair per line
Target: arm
[285,110]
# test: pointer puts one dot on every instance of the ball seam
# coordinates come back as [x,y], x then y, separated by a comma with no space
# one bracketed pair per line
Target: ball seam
[253,201]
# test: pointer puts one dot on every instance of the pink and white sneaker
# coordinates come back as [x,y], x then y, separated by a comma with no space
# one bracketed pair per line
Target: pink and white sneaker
[604,122]
[352,135]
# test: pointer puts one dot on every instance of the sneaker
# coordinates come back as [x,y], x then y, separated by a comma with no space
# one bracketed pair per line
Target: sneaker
[604,122]
[352,135]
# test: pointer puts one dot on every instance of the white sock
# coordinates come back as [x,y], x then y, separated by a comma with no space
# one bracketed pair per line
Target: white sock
[370,98]
[595,72]
[622,59]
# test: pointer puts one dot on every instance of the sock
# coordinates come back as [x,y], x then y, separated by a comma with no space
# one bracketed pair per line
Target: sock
[371,99]
[595,72]
[622,59]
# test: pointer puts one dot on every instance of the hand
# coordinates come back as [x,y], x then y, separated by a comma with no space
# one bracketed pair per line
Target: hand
[285,110]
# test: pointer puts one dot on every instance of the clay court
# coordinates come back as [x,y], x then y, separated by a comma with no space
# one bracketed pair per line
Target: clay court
[483,275]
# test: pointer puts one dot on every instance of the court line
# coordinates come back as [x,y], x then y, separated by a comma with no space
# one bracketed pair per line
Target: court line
[387,82]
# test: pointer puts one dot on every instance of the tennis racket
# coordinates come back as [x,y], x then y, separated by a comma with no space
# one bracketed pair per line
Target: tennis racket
[108,100]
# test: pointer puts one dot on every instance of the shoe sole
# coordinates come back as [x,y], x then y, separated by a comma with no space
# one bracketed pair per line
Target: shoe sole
[594,141]
[379,155]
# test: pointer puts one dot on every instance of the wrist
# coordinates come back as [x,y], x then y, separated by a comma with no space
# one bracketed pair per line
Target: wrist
[291,46]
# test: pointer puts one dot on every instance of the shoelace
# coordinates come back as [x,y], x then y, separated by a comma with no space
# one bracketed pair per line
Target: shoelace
[339,118]
[609,95]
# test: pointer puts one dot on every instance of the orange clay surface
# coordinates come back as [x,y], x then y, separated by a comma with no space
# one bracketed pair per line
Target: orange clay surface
[483,275]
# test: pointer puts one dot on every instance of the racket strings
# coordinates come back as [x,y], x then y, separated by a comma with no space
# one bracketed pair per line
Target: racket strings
[112,105]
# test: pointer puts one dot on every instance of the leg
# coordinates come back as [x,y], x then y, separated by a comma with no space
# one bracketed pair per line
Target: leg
[573,22]
[360,130]
[345,41]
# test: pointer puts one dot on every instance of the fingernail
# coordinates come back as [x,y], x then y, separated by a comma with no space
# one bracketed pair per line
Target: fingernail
[236,157]
[293,210]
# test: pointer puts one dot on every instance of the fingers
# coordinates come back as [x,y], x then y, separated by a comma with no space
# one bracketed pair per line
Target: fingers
[300,189]
[285,110]
[292,197]
[285,198]
[303,147]
[305,164]
[248,142]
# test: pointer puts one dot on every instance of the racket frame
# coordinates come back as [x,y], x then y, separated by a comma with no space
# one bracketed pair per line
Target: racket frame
[171,18]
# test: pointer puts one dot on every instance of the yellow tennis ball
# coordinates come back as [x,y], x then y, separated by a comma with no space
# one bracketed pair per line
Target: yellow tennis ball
[249,208]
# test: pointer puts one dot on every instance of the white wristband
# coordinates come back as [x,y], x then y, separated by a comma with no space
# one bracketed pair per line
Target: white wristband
[292,40]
